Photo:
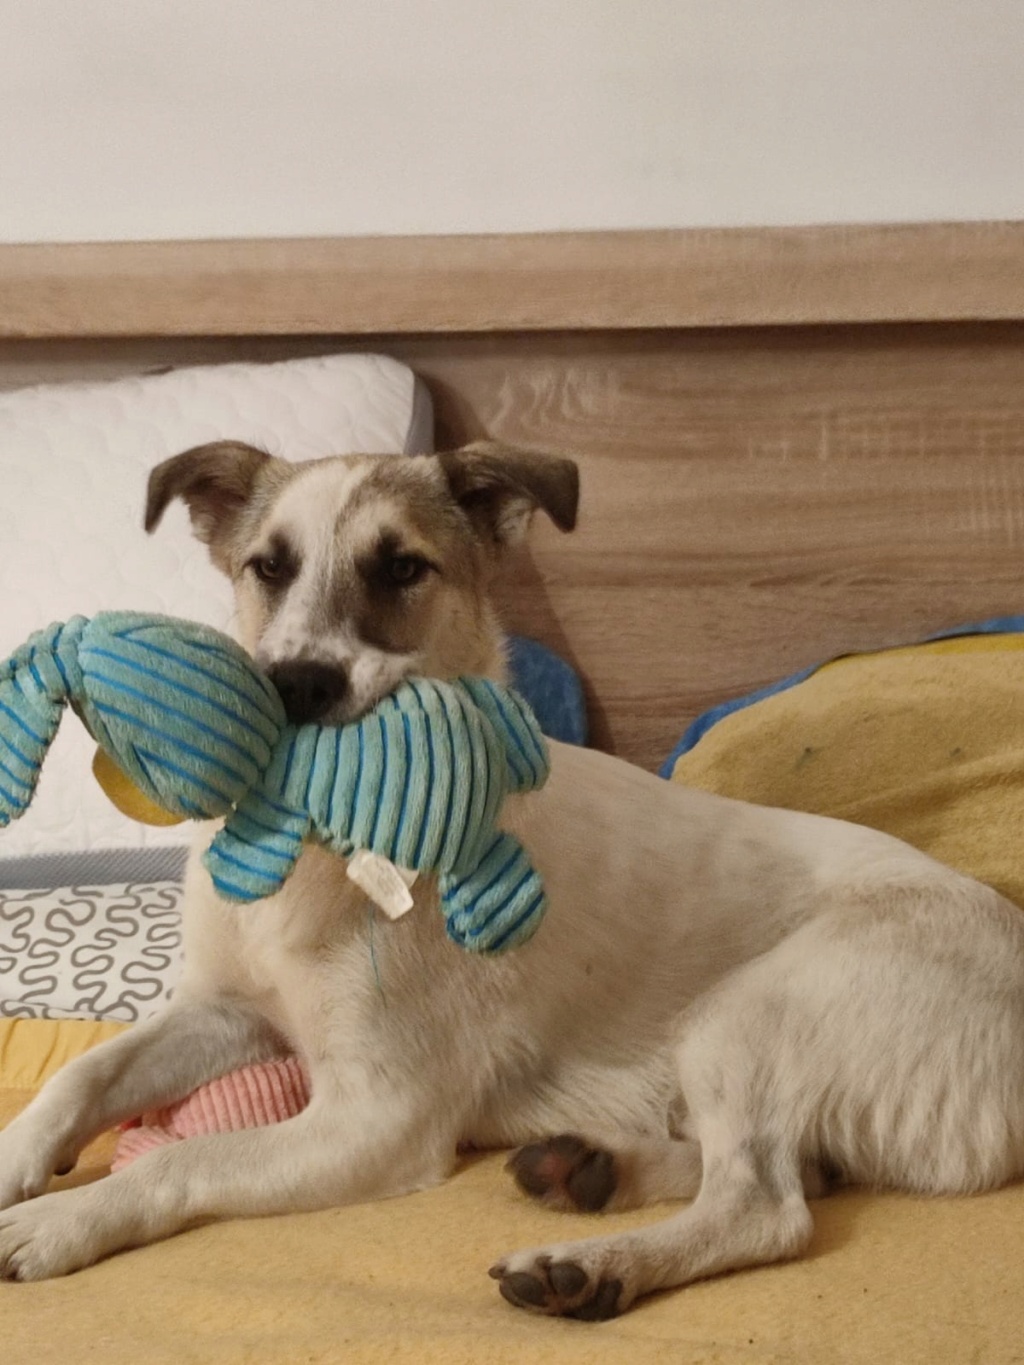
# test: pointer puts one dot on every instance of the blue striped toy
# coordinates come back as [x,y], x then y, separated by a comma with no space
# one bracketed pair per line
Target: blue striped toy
[187,717]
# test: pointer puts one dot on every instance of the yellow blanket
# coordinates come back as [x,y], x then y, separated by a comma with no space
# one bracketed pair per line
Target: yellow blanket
[889,1279]
[926,743]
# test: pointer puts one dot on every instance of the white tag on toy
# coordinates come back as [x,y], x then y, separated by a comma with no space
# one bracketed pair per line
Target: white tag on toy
[385,884]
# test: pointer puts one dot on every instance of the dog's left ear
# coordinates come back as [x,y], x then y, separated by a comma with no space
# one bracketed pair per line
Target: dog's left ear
[499,487]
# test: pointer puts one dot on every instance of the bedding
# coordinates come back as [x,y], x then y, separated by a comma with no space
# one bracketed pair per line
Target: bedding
[105,950]
[924,742]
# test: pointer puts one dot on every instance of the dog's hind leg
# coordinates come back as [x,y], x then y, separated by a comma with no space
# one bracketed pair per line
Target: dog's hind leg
[584,1176]
[580,1175]
[882,1040]
[750,1210]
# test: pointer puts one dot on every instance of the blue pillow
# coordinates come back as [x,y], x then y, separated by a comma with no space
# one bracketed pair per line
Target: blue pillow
[552,688]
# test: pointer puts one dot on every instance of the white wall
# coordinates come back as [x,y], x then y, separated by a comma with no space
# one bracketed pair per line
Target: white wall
[194,118]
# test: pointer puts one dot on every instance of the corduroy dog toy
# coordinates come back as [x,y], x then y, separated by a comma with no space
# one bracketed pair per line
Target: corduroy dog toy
[185,715]
[250,1097]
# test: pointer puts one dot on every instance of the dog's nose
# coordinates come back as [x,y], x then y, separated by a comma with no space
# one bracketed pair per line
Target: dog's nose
[308,690]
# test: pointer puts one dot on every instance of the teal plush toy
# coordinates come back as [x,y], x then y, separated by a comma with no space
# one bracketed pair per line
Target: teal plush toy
[187,717]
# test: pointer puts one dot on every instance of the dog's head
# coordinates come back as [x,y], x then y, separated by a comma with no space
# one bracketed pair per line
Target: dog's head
[354,572]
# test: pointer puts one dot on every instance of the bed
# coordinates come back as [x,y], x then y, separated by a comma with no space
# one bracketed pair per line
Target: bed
[795,444]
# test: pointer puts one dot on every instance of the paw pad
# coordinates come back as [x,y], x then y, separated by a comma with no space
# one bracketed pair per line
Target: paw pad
[566,1171]
[559,1288]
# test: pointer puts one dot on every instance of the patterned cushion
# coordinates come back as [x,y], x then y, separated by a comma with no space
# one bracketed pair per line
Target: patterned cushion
[90,951]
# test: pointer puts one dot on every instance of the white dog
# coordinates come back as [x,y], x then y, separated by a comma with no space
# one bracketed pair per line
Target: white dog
[731,1004]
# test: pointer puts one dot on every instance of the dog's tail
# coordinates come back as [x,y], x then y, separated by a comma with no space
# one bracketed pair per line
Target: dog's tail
[36,683]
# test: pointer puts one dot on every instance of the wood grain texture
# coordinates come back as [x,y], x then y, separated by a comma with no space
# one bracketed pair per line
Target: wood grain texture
[720,277]
[754,500]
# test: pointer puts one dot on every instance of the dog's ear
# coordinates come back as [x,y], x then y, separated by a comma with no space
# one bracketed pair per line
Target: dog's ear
[215,481]
[499,487]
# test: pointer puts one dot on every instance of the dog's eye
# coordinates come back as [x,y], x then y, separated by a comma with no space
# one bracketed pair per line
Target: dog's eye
[406,569]
[267,568]
[277,564]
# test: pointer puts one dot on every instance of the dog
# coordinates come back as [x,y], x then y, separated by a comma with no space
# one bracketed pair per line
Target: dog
[726,1004]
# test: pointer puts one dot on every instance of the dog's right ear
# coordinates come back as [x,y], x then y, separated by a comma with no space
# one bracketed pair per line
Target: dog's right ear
[215,481]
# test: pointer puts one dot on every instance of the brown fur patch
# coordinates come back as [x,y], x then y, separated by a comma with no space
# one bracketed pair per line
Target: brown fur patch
[499,486]
[224,484]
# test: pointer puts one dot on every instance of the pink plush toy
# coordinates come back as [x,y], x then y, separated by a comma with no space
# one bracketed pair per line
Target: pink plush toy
[251,1097]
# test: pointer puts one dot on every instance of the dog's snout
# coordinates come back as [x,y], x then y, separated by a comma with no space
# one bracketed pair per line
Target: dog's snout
[307,690]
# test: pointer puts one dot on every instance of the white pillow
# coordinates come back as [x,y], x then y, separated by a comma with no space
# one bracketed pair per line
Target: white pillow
[74,459]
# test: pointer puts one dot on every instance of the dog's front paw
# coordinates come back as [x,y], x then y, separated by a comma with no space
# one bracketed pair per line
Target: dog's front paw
[577,1280]
[26,1163]
[50,1236]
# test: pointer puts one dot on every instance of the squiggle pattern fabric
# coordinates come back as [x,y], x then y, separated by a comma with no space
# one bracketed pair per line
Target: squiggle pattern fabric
[111,952]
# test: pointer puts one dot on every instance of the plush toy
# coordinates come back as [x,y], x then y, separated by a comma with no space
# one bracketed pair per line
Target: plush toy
[250,1097]
[186,716]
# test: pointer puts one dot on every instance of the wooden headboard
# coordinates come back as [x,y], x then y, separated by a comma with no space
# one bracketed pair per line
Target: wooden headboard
[793,442]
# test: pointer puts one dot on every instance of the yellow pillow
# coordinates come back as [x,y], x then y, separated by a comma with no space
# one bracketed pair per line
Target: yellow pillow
[925,742]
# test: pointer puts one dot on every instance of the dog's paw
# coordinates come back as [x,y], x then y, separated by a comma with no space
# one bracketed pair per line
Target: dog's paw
[566,1172]
[26,1164]
[572,1281]
[46,1237]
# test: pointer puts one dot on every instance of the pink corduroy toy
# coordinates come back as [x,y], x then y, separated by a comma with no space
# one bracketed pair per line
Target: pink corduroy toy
[251,1097]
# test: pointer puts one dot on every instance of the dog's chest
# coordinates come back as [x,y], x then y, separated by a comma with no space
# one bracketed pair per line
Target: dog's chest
[286,952]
